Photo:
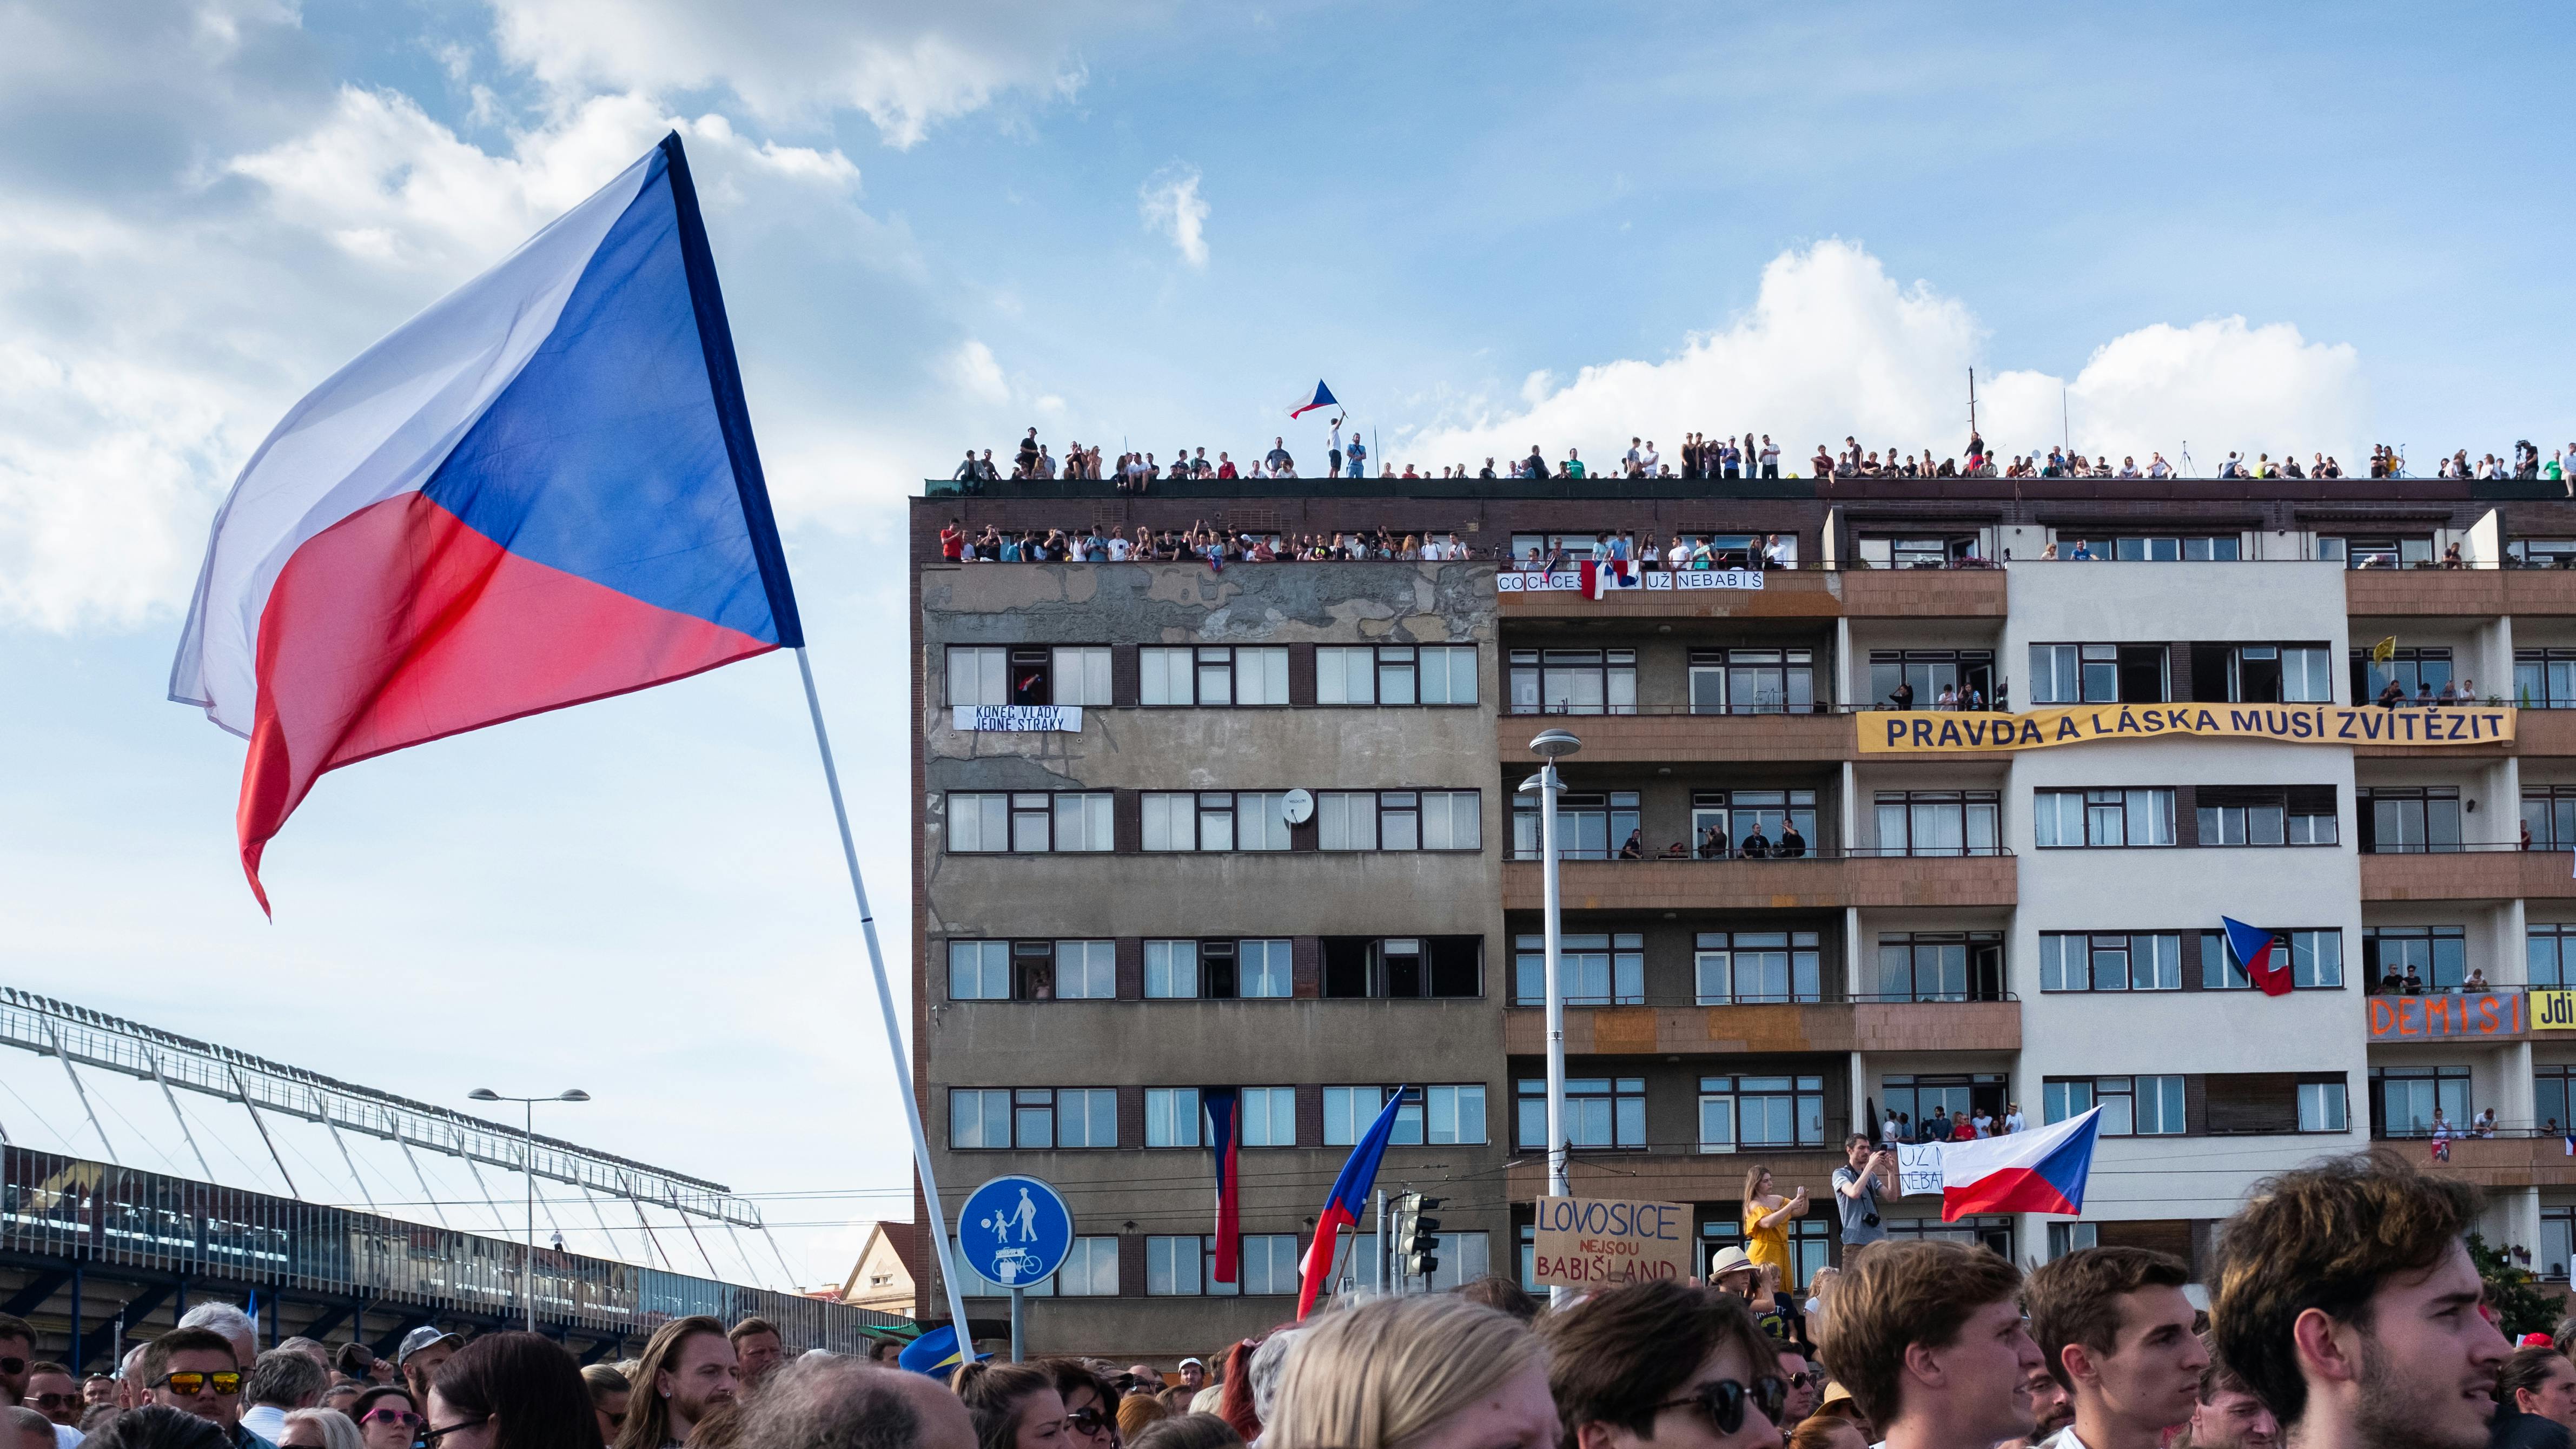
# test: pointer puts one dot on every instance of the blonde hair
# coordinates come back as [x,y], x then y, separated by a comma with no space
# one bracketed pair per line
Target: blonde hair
[1384,1374]
[339,1431]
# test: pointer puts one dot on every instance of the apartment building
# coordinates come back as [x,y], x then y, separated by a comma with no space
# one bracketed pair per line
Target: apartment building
[1283,850]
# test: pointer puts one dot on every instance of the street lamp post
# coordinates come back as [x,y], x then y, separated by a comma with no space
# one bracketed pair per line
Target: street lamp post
[1550,746]
[528,1256]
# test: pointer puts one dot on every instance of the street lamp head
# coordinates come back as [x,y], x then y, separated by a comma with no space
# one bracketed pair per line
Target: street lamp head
[575,1095]
[1554,744]
[483,1094]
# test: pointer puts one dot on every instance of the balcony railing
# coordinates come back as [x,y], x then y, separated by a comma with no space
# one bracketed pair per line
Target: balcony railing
[1819,997]
[1737,852]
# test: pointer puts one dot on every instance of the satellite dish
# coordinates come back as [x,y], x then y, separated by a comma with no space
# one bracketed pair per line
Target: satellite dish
[1297,806]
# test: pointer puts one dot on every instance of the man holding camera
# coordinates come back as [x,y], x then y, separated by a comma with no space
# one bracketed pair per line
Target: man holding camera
[1856,1191]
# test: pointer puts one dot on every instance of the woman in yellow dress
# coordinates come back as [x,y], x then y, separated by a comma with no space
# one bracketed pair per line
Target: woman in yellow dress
[1766,1223]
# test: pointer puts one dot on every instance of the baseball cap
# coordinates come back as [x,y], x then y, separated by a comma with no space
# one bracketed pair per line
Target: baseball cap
[428,1335]
[1185,1363]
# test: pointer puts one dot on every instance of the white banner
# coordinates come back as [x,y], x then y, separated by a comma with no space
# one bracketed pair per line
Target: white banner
[1020,718]
[1512,581]
[1532,581]
[1706,579]
[1918,1168]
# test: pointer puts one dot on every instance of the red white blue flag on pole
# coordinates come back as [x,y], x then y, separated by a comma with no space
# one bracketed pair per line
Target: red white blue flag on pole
[1323,398]
[2020,1172]
[2260,953]
[1349,1200]
[539,492]
[1224,1112]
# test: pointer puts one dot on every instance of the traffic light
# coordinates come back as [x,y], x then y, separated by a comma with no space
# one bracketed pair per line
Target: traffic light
[1416,1237]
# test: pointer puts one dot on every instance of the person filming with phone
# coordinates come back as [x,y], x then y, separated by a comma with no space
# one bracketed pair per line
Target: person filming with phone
[1857,1186]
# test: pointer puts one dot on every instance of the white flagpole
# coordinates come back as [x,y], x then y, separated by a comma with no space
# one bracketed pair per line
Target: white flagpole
[894,1034]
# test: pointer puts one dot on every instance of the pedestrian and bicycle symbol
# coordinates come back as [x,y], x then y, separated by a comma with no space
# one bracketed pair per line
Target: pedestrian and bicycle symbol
[1015,1231]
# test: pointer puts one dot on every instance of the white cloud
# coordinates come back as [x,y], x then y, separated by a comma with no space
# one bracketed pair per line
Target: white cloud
[907,67]
[1170,203]
[970,368]
[1833,346]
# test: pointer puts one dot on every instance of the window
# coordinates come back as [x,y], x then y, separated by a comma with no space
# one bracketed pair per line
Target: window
[1735,815]
[1269,1264]
[979,970]
[2101,819]
[1171,970]
[2550,954]
[1937,552]
[1213,675]
[1399,820]
[1588,827]
[2065,1238]
[2321,1107]
[2550,811]
[1030,823]
[1175,1267]
[1214,820]
[1574,681]
[2100,673]
[1218,970]
[2168,549]
[2316,961]
[1757,966]
[1033,1118]
[1439,1116]
[2437,956]
[2550,1099]
[1395,674]
[2406,1101]
[2378,553]
[2544,678]
[2414,671]
[978,675]
[1811,1241]
[1172,1117]
[2541,553]
[1752,681]
[1599,1112]
[2131,1106]
[2110,962]
[1262,969]
[2262,673]
[1756,1112]
[2409,820]
[1923,1098]
[1940,966]
[1404,966]
[1937,822]
[1595,970]
[2557,1242]
[1269,1116]
[1086,970]
[2242,815]
[1931,672]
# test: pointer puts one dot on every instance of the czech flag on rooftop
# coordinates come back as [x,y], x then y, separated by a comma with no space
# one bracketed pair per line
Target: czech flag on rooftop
[2020,1172]
[1323,398]
[540,491]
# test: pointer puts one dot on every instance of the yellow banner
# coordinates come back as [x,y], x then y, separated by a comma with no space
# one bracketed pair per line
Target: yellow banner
[1947,732]
[2553,1011]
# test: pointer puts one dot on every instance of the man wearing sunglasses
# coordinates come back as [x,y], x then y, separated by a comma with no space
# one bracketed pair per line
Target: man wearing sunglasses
[1666,1365]
[23,1380]
[193,1371]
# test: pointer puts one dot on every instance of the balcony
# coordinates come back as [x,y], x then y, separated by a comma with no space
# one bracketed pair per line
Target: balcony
[2474,1017]
[2493,1162]
[2472,873]
[2544,732]
[1833,1026]
[1785,594]
[2480,592]
[1666,738]
[1669,1176]
[1822,881]
[1923,593]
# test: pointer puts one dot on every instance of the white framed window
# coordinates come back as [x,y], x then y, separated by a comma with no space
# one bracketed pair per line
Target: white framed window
[1082,675]
[1448,674]
[1172,1117]
[978,674]
[1164,676]
[1031,822]
[1260,820]
[1086,1117]
[1171,970]
[1438,1115]
[1261,674]
[2102,819]
[979,970]
[2108,961]
[1171,820]
[1090,1270]
[1086,970]
[2131,1106]
[1347,819]
[1345,674]
[2065,1238]
[978,823]
[1263,969]
[979,1118]
[2321,1107]
[1400,820]
[1269,1117]
[1085,821]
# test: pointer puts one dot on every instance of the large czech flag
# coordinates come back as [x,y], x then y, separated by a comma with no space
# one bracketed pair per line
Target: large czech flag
[2021,1172]
[2265,959]
[541,491]
[1224,1107]
[1349,1200]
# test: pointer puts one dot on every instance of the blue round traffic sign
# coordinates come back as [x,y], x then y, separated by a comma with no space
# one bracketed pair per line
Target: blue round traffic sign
[1015,1231]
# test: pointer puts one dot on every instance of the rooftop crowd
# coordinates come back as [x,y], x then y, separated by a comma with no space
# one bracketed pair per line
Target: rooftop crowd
[1719,459]
[2345,1312]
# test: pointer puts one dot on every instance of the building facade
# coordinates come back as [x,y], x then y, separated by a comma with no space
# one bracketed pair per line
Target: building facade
[1113,918]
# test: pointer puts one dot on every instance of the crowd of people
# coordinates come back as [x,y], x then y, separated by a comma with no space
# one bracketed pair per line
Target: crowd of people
[2344,1312]
[1719,459]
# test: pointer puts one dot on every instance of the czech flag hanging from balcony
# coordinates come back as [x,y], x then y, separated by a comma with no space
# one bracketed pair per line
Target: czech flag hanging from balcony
[1599,578]
[2261,952]
[1323,398]
[2020,1172]
[1224,1113]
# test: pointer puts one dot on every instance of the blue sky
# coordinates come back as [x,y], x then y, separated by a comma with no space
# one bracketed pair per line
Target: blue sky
[1487,226]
